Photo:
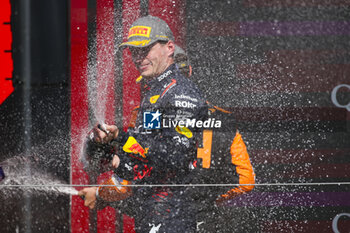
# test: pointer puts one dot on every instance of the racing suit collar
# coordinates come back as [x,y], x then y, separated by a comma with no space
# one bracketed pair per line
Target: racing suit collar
[163,76]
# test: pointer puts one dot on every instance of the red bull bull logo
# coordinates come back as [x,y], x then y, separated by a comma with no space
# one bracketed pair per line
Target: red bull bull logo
[132,146]
[137,149]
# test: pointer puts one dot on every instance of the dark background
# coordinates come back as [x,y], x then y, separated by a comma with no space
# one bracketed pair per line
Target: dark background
[275,64]
[40,107]
[278,84]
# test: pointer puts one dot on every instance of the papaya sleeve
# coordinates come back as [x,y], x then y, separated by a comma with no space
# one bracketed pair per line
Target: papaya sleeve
[244,169]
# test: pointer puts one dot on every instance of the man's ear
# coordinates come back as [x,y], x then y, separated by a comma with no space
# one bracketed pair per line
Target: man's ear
[171,48]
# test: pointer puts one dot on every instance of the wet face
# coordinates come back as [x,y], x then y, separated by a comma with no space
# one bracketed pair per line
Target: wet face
[153,60]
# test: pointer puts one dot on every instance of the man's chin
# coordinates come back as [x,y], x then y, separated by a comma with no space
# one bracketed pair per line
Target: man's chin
[146,75]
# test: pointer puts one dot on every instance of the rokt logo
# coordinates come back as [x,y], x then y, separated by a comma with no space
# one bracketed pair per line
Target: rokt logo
[184,104]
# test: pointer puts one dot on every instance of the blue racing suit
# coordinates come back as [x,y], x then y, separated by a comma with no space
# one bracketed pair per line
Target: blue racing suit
[162,155]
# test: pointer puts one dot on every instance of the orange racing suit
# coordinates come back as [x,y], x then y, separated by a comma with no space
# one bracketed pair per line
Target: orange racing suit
[222,158]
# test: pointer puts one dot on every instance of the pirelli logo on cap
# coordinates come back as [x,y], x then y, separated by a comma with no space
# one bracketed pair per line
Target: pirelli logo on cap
[139,31]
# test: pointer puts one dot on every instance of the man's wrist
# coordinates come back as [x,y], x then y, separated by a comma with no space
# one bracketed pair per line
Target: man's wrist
[120,137]
[116,134]
[97,193]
